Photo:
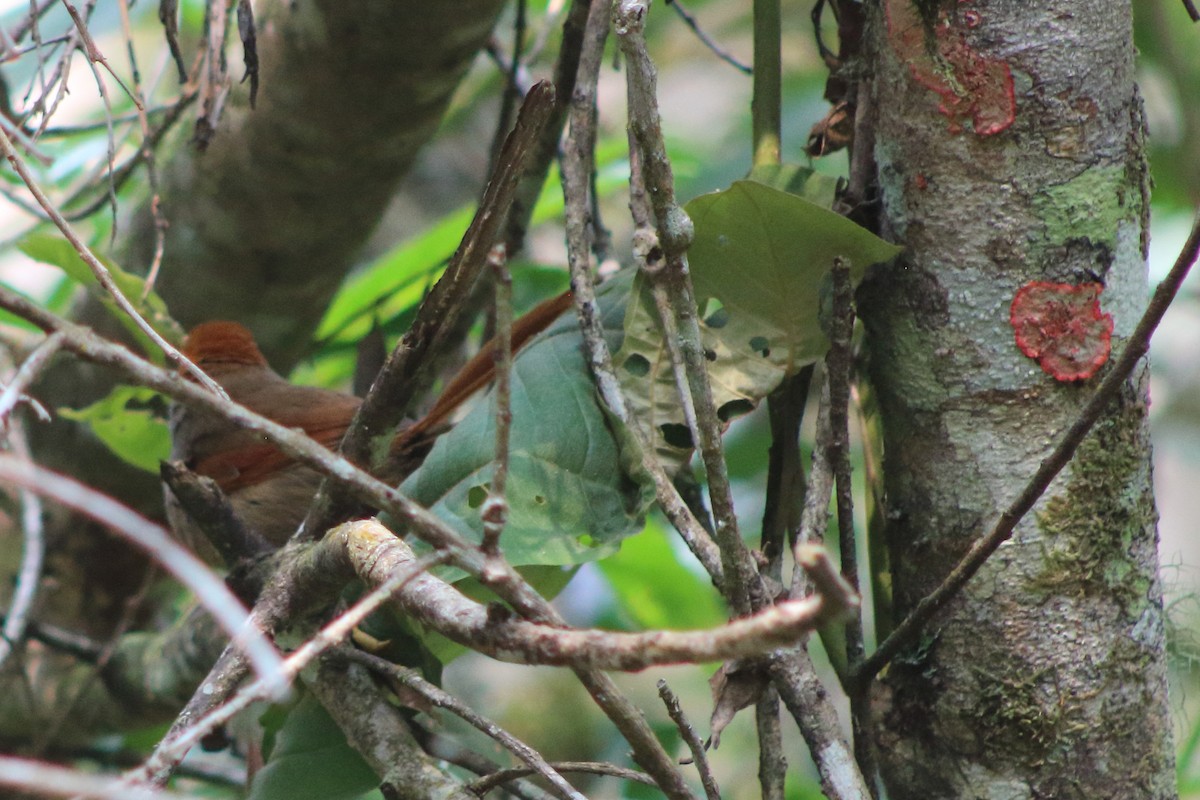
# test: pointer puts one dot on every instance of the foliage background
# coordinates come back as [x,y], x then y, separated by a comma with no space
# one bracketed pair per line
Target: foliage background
[705,107]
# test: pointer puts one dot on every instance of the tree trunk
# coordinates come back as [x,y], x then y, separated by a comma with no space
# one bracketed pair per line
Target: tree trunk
[1010,149]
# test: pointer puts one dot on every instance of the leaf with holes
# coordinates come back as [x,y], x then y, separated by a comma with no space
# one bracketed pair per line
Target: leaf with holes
[760,265]
[575,485]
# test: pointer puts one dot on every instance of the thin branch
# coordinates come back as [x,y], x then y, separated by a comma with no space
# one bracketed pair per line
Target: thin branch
[33,554]
[93,56]
[27,775]
[838,366]
[566,71]
[441,606]
[442,699]
[814,519]
[26,374]
[503,776]
[772,763]
[29,24]
[1136,347]
[675,232]
[139,102]
[512,91]
[188,569]
[690,20]
[495,508]
[675,711]
[1192,11]
[101,272]
[577,167]
[75,644]
[806,698]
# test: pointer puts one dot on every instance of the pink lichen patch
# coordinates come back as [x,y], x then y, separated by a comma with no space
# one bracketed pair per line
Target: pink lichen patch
[1062,327]
[968,83]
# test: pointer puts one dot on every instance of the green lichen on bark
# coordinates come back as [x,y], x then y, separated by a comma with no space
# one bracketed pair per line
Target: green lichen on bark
[1089,206]
[1091,528]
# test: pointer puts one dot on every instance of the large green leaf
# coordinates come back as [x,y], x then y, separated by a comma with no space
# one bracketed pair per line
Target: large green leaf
[125,422]
[760,265]
[575,486]
[310,760]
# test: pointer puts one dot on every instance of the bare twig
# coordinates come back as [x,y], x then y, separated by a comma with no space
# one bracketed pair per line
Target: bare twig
[699,757]
[33,553]
[178,561]
[495,508]
[147,151]
[578,159]
[442,699]
[208,506]
[772,763]
[25,375]
[1192,11]
[503,776]
[441,606]
[512,91]
[675,232]
[690,20]
[1135,348]
[814,519]
[168,15]
[806,698]
[566,70]
[94,56]
[44,779]
[838,365]
[101,272]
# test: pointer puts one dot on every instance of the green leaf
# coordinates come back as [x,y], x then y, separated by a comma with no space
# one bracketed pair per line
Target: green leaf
[311,760]
[760,264]
[655,589]
[575,487]
[56,251]
[798,180]
[125,423]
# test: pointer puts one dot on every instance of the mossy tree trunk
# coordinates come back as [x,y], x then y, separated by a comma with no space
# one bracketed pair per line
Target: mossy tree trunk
[1010,150]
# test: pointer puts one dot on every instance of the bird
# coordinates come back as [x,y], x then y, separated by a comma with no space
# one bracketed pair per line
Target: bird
[269,491]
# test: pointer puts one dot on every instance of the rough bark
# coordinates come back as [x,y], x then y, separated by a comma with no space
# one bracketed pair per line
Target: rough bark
[1047,677]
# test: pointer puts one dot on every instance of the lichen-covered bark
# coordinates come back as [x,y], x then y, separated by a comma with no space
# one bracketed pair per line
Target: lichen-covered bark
[1047,677]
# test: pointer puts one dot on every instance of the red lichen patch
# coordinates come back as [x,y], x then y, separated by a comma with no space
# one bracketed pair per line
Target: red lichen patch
[968,83]
[1062,327]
